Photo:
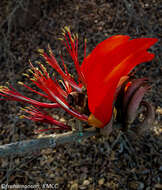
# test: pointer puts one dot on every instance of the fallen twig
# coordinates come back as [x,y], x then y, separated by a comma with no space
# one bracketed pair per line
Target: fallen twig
[49,141]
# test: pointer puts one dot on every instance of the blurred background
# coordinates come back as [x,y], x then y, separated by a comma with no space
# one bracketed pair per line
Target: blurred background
[27,25]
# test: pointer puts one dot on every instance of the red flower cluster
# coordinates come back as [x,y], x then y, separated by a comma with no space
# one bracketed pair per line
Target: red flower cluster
[102,73]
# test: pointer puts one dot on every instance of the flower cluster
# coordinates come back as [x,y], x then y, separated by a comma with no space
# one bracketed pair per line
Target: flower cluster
[100,79]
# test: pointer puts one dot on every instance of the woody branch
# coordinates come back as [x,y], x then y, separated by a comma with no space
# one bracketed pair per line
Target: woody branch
[49,141]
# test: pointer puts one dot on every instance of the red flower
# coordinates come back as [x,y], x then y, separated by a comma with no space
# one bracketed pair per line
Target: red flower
[112,59]
[101,74]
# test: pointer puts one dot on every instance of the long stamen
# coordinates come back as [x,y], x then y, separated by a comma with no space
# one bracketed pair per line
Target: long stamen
[73,51]
[50,87]
[42,116]
[16,96]
[52,61]
[31,89]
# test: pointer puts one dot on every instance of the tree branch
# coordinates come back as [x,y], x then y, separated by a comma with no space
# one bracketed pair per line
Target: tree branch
[49,141]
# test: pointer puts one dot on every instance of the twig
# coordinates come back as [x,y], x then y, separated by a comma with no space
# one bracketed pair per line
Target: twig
[12,13]
[49,141]
[130,11]
[116,140]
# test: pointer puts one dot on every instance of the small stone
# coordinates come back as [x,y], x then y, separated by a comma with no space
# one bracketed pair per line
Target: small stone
[52,175]
[158,186]
[86,182]
[136,185]
[74,186]
[82,187]
[84,169]
[101,181]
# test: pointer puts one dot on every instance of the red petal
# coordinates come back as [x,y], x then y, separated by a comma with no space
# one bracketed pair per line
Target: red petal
[103,68]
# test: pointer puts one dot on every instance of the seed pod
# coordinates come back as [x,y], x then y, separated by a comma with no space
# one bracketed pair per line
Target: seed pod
[134,104]
[149,118]
[131,91]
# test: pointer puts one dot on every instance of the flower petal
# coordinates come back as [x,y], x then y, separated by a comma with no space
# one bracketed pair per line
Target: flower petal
[109,61]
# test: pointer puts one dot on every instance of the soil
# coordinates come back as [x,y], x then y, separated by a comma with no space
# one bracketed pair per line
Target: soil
[97,162]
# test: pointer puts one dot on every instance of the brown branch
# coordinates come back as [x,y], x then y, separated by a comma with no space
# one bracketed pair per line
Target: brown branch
[53,140]
[49,141]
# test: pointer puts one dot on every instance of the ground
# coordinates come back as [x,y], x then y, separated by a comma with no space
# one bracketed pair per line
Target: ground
[120,161]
